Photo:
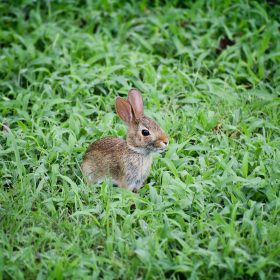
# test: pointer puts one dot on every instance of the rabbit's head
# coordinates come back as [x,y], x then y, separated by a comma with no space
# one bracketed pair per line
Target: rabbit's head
[144,134]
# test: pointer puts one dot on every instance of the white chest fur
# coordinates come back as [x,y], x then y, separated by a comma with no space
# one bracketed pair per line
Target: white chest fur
[145,167]
[138,170]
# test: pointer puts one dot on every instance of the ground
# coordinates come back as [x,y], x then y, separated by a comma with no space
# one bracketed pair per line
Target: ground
[209,74]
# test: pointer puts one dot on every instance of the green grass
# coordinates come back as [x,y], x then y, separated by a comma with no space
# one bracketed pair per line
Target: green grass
[211,206]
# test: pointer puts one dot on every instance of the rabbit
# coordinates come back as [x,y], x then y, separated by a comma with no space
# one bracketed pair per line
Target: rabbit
[128,161]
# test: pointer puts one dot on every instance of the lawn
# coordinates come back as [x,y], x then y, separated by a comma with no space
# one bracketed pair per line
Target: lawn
[209,73]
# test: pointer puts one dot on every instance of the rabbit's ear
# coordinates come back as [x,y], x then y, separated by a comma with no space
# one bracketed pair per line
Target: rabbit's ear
[136,101]
[124,110]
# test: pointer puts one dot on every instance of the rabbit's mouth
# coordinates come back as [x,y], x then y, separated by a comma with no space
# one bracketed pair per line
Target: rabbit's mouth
[147,149]
[156,149]
[159,146]
[160,150]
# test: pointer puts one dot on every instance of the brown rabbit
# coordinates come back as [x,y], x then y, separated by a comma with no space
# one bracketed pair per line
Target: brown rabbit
[126,162]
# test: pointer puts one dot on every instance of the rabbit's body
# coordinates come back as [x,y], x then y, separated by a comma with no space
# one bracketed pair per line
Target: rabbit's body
[126,162]
[112,157]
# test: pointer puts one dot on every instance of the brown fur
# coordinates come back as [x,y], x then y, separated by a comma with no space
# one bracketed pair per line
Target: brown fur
[126,162]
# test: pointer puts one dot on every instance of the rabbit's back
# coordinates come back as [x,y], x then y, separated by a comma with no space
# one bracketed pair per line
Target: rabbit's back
[102,159]
[105,145]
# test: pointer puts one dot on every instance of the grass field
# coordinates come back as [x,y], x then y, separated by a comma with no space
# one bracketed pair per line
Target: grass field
[210,75]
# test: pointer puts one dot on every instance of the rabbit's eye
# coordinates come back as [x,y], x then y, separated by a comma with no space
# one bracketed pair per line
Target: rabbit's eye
[145,132]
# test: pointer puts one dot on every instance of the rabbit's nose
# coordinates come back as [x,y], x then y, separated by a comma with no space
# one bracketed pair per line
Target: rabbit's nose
[164,142]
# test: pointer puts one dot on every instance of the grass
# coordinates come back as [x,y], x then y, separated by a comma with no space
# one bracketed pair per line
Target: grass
[209,73]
